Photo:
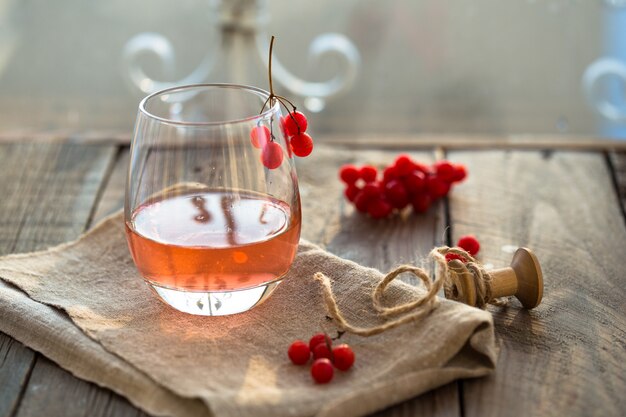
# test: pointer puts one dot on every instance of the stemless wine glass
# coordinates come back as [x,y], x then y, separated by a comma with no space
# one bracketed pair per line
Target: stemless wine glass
[212,208]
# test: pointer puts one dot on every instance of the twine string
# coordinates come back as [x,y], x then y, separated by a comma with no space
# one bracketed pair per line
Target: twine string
[423,305]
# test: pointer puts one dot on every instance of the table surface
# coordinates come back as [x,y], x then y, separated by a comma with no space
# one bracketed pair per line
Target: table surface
[563,199]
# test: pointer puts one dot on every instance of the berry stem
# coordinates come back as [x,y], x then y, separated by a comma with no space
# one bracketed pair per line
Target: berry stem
[270,68]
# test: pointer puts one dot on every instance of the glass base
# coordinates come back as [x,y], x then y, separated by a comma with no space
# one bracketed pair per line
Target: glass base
[214,303]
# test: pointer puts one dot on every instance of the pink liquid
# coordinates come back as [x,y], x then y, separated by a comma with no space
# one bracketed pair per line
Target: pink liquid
[213,241]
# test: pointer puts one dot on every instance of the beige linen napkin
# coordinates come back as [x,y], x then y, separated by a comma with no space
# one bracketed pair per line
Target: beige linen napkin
[237,365]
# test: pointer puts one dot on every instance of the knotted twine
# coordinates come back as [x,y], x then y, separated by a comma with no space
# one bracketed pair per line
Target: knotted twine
[444,277]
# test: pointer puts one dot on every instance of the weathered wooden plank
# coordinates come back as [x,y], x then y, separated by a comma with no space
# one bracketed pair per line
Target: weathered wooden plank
[618,165]
[16,362]
[333,223]
[48,191]
[69,396]
[112,198]
[361,141]
[565,357]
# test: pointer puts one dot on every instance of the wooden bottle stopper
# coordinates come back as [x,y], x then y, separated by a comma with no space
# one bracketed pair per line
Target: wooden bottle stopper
[523,279]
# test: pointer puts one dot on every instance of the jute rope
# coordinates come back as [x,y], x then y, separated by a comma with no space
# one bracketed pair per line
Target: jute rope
[417,309]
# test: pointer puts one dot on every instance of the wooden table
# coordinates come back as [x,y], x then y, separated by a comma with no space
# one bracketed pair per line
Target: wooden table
[563,198]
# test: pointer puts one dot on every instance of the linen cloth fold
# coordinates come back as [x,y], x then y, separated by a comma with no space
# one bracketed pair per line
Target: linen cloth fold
[113,331]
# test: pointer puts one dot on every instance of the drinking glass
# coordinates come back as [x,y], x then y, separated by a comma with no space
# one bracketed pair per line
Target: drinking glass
[210,227]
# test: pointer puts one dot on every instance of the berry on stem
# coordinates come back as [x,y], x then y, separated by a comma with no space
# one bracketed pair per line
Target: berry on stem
[361,201]
[302,144]
[404,165]
[259,136]
[295,123]
[349,174]
[415,182]
[450,256]
[343,357]
[321,350]
[322,371]
[421,203]
[319,338]
[379,208]
[437,187]
[445,170]
[299,352]
[351,192]
[272,155]
[368,173]
[469,243]
[397,194]
[460,172]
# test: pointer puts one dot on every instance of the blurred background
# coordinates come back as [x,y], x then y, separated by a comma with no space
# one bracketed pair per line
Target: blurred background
[397,66]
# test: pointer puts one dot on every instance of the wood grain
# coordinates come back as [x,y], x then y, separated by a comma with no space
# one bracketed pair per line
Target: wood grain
[16,363]
[566,357]
[618,166]
[48,193]
[112,198]
[52,391]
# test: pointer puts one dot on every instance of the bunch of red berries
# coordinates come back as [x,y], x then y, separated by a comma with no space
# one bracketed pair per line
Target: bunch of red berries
[403,183]
[324,356]
[294,126]
[469,243]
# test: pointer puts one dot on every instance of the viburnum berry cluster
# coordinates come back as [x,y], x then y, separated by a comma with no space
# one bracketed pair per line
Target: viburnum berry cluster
[325,356]
[405,182]
[469,243]
[294,127]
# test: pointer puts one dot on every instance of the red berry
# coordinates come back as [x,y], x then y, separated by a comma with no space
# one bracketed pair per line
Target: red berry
[390,173]
[404,165]
[424,169]
[361,201]
[460,172]
[343,357]
[368,173]
[372,189]
[351,192]
[451,256]
[445,170]
[397,194]
[322,371]
[319,338]
[469,243]
[259,136]
[437,187]
[321,350]
[379,208]
[421,202]
[302,144]
[299,352]
[295,122]
[415,182]
[349,174]
[272,155]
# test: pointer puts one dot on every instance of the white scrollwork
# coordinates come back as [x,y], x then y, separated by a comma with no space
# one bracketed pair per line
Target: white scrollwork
[245,16]
[592,82]
[329,43]
[161,47]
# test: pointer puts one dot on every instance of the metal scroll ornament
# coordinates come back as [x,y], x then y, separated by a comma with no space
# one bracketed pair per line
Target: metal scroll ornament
[239,29]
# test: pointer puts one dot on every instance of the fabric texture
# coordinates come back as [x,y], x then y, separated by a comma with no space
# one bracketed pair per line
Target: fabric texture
[113,331]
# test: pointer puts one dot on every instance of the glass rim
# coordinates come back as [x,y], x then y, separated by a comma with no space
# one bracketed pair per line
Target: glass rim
[262,93]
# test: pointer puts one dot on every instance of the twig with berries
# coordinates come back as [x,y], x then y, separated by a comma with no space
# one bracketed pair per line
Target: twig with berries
[294,127]
[325,356]
[405,182]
